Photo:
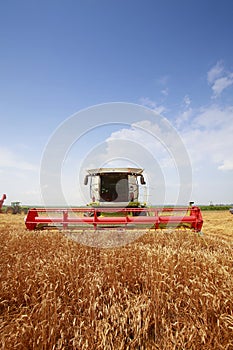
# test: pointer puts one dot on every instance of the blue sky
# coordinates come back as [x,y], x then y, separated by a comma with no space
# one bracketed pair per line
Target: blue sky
[60,57]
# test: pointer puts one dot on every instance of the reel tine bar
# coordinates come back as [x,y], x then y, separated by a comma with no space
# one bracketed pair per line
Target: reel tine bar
[156,218]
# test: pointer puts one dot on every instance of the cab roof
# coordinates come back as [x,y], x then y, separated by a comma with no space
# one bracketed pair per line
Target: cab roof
[130,171]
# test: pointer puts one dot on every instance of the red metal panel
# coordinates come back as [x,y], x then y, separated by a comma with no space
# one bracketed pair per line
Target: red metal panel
[156,217]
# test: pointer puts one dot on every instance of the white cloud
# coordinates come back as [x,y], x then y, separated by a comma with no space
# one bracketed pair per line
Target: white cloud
[145,101]
[163,80]
[187,101]
[227,165]
[206,132]
[183,117]
[221,84]
[219,79]
[8,159]
[214,117]
[155,146]
[208,137]
[215,72]
[164,92]
[19,177]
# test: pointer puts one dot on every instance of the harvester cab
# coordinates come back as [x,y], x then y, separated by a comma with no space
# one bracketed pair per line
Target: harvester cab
[115,187]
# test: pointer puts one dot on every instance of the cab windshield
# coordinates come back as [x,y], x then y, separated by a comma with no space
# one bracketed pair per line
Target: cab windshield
[114,187]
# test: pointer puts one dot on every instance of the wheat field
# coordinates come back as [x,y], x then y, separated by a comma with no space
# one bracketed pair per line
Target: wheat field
[165,290]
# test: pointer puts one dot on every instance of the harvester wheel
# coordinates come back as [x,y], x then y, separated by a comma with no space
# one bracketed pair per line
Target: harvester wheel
[17,210]
[9,210]
[24,210]
[139,213]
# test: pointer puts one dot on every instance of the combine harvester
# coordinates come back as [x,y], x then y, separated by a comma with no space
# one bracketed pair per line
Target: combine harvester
[115,203]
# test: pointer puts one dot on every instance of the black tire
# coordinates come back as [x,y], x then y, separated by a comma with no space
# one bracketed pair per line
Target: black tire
[9,210]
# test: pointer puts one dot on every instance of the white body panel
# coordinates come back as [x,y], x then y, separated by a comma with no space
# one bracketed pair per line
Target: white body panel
[95,188]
